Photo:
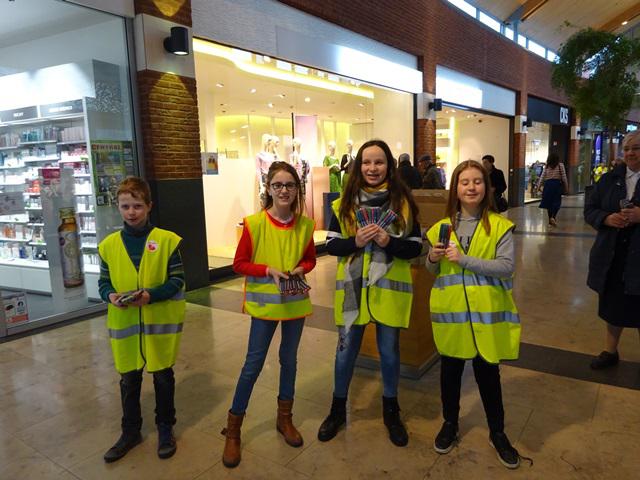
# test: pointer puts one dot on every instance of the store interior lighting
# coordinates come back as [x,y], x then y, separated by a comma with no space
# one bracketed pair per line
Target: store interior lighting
[245,63]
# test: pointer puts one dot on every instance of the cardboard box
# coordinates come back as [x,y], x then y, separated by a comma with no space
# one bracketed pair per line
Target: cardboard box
[431,205]
[15,308]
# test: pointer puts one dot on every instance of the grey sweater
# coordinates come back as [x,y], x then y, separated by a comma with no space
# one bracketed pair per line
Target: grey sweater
[503,266]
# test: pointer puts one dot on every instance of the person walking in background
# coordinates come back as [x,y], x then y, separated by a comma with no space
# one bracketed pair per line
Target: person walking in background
[408,173]
[142,280]
[613,209]
[553,182]
[276,245]
[431,178]
[473,314]
[373,282]
[498,183]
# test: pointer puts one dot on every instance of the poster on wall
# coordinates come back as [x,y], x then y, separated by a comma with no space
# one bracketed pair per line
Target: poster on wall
[112,162]
[209,163]
[61,235]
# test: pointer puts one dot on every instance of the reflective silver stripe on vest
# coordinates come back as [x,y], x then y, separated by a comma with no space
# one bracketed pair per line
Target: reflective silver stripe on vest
[119,334]
[394,285]
[263,299]
[339,284]
[486,318]
[260,280]
[154,329]
[179,295]
[162,328]
[473,281]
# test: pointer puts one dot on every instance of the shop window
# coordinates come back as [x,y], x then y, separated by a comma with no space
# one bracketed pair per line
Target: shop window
[508,33]
[254,111]
[66,141]
[489,21]
[466,7]
[537,49]
[522,41]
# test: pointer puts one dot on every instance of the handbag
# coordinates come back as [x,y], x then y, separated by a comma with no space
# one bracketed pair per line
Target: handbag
[501,204]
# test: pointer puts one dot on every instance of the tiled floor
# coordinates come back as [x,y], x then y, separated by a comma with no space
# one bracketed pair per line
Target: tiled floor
[59,404]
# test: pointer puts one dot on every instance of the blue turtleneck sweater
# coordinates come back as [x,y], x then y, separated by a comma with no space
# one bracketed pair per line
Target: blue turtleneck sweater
[134,242]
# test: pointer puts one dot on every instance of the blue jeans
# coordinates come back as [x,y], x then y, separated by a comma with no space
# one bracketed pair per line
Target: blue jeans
[388,339]
[259,340]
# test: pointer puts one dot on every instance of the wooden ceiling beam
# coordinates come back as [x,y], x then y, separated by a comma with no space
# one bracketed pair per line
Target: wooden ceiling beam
[525,10]
[616,22]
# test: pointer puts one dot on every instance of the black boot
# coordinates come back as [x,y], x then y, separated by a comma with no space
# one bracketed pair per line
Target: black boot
[336,419]
[126,442]
[391,414]
[166,441]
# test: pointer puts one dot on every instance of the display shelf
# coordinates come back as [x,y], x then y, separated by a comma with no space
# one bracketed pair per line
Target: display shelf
[19,167]
[83,194]
[17,222]
[34,224]
[49,158]
[88,232]
[86,212]
[35,121]
[16,240]
[73,142]
[33,209]
[9,148]
[90,247]
[37,244]
[11,184]
[82,175]
[73,160]
[25,262]
[37,142]
[32,194]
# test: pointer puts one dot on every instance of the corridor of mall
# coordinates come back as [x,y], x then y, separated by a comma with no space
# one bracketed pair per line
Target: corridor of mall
[61,408]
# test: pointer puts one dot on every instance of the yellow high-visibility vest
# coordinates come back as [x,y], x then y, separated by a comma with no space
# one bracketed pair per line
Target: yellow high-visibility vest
[151,332]
[474,314]
[280,248]
[388,301]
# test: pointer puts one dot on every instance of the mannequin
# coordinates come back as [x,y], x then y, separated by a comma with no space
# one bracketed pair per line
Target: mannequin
[275,145]
[331,161]
[299,163]
[264,159]
[347,161]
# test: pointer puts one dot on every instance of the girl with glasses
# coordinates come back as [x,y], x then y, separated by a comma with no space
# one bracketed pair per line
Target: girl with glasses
[276,244]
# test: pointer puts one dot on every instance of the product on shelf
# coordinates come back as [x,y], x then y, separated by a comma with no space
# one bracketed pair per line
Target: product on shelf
[70,255]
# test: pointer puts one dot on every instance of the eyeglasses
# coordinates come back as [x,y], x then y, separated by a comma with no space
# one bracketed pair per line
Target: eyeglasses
[279,186]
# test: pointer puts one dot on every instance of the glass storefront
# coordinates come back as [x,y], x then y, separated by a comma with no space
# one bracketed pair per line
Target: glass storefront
[66,140]
[255,109]
[463,134]
[536,153]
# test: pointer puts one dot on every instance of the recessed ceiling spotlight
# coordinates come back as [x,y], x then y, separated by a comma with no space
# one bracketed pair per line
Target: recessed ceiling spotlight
[307,99]
[625,22]
[243,137]
[453,111]
[223,104]
[244,126]
[270,105]
[281,95]
[361,104]
[253,90]
[232,131]
[219,85]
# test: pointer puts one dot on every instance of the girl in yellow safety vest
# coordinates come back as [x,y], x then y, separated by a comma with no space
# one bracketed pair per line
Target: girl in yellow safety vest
[142,279]
[472,311]
[275,251]
[373,232]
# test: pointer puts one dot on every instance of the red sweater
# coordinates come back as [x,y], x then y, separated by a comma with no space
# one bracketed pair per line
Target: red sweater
[242,262]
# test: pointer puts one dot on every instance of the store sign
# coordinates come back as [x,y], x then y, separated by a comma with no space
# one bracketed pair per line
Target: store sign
[25,113]
[62,108]
[547,112]
[564,115]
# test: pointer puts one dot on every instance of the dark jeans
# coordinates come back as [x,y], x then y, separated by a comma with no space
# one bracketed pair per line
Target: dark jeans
[488,380]
[130,385]
[388,339]
[259,340]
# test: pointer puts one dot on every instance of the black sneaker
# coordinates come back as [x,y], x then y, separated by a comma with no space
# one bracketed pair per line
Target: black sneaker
[166,441]
[605,360]
[507,455]
[125,443]
[446,438]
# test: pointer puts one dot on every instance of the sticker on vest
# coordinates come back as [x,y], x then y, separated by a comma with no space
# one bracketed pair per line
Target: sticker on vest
[152,246]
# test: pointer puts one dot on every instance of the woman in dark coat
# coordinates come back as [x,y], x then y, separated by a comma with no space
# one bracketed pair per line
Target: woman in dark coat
[613,208]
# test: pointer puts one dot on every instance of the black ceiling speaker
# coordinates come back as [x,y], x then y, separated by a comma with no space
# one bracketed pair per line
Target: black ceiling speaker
[178,42]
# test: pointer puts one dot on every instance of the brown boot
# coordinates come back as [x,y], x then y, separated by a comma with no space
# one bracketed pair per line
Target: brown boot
[285,425]
[231,455]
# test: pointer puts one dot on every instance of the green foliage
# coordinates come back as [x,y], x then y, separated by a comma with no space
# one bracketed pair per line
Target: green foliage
[598,72]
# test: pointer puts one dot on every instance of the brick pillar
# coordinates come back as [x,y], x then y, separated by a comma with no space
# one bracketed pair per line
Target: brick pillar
[426,138]
[517,170]
[170,132]
[573,156]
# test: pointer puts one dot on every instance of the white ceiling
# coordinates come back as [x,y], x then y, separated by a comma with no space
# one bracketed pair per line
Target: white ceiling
[25,20]
[555,21]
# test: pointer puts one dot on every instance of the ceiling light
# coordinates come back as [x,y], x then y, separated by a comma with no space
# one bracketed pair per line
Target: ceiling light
[244,126]
[270,105]
[232,131]
[281,95]
[253,90]
[453,111]
[307,99]
[243,136]
[220,85]
[625,22]
[361,104]
[248,66]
